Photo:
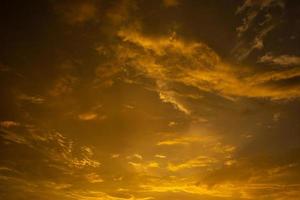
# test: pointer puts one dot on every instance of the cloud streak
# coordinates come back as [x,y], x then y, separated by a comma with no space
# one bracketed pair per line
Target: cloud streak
[200,67]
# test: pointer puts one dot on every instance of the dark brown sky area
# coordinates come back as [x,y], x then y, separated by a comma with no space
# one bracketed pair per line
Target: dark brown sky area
[150,100]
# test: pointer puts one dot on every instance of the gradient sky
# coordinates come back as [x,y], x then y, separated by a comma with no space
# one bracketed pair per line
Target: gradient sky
[150,100]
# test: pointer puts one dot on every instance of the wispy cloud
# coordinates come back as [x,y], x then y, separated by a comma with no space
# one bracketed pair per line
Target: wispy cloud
[53,145]
[8,124]
[77,12]
[31,99]
[282,60]
[94,178]
[88,116]
[185,140]
[62,86]
[206,70]
[200,161]
[258,14]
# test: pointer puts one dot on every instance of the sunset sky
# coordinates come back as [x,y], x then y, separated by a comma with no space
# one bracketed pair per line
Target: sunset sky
[150,100]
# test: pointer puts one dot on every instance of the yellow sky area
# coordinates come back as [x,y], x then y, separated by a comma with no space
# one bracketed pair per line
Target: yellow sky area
[182,164]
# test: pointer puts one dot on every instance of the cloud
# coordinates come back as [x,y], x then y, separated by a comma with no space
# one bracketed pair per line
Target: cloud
[135,156]
[209,150]
[257,175]
[53,145]
[276,117]
[15,138]
[92,114]
[169,96]
[105,74]
[115,155]
[50,164]
[62,86]
[200,161]
[185,140]
[169,59]
[247,21]
[170,3]
[94,178]
[246,183]
[77,12]
[172,124]
[259,18]
[87,116]
[31,99]
[144,167]
[181,185]
[161,45]
[119,12]
[95,195]
[256,44]
[283,60]
[8,124]
[160,156]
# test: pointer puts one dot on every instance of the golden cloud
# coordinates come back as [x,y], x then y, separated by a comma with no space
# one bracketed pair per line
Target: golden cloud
[282,60]
[87,116]
[170,59]
[8,124]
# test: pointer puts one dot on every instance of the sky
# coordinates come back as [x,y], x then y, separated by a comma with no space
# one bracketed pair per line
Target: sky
[150,100]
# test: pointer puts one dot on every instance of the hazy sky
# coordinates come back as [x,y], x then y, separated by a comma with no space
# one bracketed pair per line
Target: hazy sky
[150,100]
